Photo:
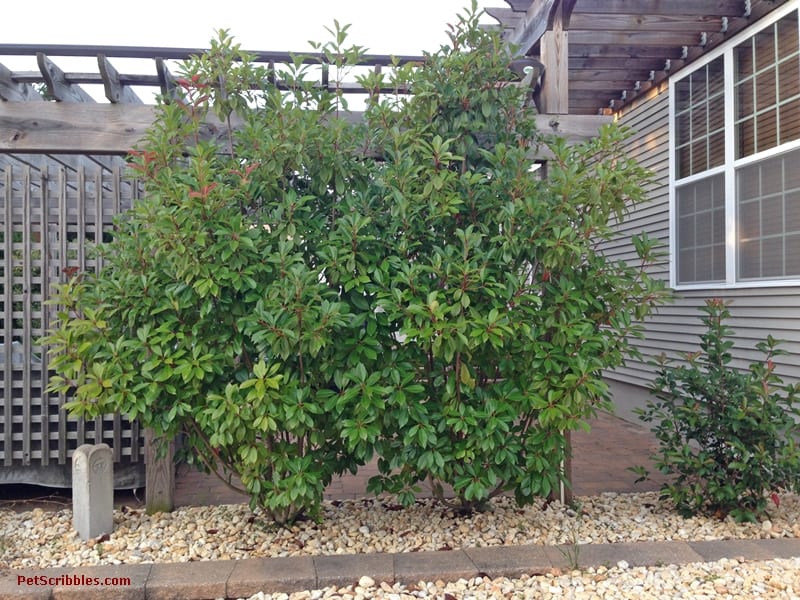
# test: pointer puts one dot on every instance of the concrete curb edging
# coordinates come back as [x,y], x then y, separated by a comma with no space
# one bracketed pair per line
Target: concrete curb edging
[207,580]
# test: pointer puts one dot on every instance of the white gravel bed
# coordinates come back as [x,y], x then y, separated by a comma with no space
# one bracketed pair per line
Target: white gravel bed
[727,579]
[42,539]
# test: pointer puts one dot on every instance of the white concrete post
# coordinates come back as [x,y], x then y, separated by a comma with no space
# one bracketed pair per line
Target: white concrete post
[92,490]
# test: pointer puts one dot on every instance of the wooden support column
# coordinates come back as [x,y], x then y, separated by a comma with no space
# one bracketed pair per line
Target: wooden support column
[554,100]
[159,476]
[554,95]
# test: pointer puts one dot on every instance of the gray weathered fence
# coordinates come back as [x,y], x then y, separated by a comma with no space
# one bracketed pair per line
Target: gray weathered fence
[53,211]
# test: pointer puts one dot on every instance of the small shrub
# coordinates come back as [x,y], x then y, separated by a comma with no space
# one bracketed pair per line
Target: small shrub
[727,436]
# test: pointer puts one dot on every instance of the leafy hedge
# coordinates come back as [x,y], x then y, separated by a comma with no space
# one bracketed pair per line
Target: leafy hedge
[306,292]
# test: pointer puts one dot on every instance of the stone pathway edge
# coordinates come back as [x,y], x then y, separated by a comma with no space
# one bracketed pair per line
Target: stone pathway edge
[204,580]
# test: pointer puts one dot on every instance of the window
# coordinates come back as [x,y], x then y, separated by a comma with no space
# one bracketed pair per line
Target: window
[735,162]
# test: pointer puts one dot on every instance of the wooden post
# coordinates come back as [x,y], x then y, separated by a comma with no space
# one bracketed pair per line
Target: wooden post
[159,476]
[554,100]
[566,492]
[554,95]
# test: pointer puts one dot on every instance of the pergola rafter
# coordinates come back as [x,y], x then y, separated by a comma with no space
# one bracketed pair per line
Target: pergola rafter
[77,123]
[647,40]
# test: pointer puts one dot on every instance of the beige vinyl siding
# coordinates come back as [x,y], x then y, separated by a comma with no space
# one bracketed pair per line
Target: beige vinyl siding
[756,312]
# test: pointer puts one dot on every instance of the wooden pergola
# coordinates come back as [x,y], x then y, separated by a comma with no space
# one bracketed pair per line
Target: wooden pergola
[62,161]
[601,55]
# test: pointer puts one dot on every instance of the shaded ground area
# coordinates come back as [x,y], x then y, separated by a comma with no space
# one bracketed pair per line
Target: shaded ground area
[601,458]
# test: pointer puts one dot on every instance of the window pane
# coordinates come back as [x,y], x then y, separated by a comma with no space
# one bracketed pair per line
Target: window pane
[767,130]
[700,101]
[716,114]
[699,87]
[683,128]
[699,156]
[787,35]
[767,81]
[682,94]
[748,221]
[772,216]
[766,93]
[715,76]
[716,150]
[768,217]
[788,74]
[772,257]
[701,230]
[790,121]
[764,43]
[684,161]
[743,56]
[792,250]
[793,211]
[746,138]
[749,260]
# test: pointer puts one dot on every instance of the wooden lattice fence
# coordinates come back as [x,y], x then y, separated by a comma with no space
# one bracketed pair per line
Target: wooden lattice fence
[51,218]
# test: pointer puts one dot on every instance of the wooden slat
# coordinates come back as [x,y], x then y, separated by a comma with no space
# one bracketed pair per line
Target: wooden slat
[602,64]
[636,37]
[602,21]
[625,78]
[599,85]
[116,91]
[44,221]
[27,269]
[730,8]
[596,50]
[7,317]
[169,87]
[57,84]
[16,92]
[62,262]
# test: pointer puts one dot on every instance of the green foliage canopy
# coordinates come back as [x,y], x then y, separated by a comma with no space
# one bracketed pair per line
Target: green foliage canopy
[307,292]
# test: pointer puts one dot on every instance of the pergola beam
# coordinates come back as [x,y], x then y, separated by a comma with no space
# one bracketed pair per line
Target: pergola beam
[104,129]
[697,8]
[85,128]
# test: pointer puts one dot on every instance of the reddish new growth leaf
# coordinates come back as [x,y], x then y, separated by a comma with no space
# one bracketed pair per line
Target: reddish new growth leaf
[204,191]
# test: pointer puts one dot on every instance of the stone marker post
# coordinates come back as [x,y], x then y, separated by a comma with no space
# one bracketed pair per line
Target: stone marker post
[92,490]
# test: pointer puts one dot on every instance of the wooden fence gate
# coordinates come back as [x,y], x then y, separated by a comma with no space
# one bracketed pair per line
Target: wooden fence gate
[53,212]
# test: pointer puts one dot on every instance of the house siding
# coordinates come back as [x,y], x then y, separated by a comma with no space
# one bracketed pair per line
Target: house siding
[674,328]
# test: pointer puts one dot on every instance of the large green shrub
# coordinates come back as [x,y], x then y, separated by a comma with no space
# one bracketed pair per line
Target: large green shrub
[301,292]
[727,437]
[507,309]
[221,311]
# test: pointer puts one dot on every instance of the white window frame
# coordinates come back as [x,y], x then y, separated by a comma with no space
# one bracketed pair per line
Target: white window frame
[730,166]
